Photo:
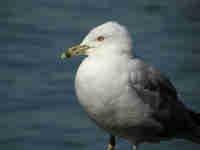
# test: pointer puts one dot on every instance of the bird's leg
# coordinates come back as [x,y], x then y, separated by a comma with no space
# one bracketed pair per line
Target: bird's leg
[111,144]
[134,147]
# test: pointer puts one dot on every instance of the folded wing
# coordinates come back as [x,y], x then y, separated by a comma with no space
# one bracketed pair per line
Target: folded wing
[155,89]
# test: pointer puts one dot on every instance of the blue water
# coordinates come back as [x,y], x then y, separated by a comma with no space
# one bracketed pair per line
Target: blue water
[38,106]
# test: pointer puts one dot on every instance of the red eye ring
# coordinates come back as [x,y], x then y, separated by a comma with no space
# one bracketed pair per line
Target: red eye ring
[100,38]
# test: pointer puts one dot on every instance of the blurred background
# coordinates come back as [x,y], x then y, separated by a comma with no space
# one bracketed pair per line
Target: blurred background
[38,106]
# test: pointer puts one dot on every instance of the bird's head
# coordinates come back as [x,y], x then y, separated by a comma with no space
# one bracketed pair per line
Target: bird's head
[107,38]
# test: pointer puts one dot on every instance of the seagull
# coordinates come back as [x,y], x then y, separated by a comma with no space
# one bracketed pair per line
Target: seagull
[125,96]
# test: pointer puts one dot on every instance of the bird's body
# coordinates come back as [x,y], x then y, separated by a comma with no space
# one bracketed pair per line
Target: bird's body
[102,98]
[127,97]
[113,94]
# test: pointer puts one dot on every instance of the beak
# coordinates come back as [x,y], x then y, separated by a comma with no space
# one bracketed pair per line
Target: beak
[74,51]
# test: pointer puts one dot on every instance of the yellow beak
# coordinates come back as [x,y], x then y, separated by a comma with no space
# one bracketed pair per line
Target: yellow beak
[74,51]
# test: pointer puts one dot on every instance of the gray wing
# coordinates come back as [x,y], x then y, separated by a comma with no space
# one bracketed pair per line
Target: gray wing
[145,78]
[156,90]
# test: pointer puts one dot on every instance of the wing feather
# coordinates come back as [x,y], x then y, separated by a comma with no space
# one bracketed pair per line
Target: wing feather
[156,90]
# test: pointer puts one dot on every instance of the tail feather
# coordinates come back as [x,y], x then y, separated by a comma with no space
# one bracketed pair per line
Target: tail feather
[195,137]
[195,117]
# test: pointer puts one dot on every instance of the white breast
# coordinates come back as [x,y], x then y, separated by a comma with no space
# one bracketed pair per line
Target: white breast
[104,92]
[98,83]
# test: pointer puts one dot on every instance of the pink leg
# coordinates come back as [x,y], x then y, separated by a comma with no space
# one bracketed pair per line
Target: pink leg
[111,144]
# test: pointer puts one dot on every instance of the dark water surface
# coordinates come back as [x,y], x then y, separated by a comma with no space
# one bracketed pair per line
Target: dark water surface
[38,107]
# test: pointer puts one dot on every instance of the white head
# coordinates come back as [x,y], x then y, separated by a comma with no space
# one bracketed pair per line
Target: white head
[108,38]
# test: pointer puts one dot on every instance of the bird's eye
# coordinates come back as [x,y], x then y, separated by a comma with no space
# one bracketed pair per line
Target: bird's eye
[100,38]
